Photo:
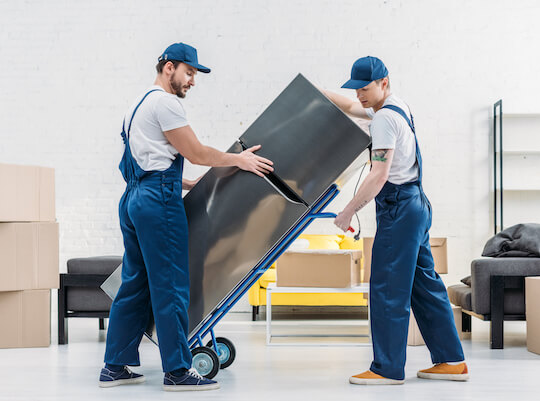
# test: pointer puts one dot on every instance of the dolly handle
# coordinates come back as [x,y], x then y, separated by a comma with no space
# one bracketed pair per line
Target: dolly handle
[328,216]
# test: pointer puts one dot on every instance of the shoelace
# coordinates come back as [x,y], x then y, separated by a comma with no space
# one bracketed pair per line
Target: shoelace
[193,373]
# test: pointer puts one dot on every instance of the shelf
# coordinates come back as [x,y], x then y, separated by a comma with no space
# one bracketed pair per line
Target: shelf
[519,152]
[521,115]
[515,166]
[520,189]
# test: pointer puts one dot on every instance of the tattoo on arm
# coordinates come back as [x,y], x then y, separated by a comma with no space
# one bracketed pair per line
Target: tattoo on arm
[379,155]
[364,203]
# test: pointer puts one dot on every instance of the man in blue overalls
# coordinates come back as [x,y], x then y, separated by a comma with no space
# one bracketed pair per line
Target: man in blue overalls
[155,271]
[402,268]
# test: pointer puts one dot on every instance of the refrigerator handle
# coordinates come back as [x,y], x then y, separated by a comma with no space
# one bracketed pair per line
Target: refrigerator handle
[284,191]
[281,187]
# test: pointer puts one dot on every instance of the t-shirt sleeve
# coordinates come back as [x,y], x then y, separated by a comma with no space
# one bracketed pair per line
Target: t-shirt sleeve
[383,131]
[170,113]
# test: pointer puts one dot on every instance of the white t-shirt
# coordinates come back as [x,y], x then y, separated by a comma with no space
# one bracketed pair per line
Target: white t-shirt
[389,130]
[160,111]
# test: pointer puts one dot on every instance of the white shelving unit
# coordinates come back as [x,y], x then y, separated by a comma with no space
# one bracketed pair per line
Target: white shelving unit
[516,163]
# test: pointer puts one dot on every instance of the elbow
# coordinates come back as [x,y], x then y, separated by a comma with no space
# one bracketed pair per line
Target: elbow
[381,179]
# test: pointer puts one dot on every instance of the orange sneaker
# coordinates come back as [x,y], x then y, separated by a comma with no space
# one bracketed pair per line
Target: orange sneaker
[444,371]
[368,377]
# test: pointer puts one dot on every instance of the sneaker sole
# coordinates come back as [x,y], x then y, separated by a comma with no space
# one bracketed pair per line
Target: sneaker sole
[185,387]
[442,376]
[121,382]
[355,380]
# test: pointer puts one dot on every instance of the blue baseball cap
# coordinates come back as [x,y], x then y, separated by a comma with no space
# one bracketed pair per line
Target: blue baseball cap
[184,53]
[364,71]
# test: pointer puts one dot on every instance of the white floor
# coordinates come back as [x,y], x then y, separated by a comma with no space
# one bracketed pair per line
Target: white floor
[306,373]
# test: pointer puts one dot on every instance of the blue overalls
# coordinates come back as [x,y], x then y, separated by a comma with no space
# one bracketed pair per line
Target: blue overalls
[155,270]
[403,275]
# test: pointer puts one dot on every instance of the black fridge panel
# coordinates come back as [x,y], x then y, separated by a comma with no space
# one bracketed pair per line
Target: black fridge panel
[309,139]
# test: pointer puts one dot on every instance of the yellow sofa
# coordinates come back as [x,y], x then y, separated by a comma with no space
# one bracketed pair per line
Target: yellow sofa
[257,293]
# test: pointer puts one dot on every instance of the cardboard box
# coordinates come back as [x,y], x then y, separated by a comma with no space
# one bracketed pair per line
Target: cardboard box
[532,311]
[27,193]
[29,257]
[439,251]
[26,319]
[367,248]
[415,338]
[331,268]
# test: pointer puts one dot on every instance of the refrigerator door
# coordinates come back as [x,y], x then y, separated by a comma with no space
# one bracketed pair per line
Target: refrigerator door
[234,218]
[309,139]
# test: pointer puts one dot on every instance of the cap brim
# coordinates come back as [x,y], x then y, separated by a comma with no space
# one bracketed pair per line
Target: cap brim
[355,84]
[199,67]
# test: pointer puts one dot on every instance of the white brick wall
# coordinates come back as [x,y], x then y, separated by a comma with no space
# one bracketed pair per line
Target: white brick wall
[69,69]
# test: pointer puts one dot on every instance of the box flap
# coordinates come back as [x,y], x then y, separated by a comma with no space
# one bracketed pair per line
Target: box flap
[437,242]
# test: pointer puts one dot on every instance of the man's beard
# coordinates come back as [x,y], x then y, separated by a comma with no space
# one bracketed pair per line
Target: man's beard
[177,88]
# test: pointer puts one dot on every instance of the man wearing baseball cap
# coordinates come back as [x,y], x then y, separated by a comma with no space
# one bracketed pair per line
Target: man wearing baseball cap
[402,268]
[155,268]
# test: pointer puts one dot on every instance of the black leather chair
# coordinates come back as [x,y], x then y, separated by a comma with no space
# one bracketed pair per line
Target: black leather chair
[80,294]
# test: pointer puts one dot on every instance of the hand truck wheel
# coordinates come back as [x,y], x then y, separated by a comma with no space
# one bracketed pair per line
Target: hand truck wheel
[205,361]
[225,350]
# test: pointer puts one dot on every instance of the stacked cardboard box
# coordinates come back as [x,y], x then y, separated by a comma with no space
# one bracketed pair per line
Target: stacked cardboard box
[28,255]
[332,268]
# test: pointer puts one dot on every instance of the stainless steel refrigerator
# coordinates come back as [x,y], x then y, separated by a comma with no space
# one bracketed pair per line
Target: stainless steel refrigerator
[235,218]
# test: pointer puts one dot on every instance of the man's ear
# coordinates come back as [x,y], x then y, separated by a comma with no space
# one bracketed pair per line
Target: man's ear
[169,67]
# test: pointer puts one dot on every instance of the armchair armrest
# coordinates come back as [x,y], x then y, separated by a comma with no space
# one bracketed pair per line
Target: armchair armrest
[481,271]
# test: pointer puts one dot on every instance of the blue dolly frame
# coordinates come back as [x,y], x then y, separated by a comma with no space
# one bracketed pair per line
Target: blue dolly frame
[206,327]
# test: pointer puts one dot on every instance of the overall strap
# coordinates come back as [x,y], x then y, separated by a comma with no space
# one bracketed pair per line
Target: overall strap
[410,122]
[133,115]
[400,111]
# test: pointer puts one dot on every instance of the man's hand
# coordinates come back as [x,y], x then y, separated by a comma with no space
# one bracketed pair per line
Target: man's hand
[249,161]
[189,184]
[343,219]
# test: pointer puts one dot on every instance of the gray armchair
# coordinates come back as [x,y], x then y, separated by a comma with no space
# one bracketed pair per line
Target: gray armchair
[495,292]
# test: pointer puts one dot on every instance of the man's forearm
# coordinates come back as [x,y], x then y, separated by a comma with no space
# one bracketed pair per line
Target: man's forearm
[343,102]
[212,157]
[347,105]
[368,190]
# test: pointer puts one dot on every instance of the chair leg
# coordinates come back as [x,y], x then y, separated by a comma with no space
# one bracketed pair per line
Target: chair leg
[62,313]
[497,312]
[466,326]
[101,323]
[254,313]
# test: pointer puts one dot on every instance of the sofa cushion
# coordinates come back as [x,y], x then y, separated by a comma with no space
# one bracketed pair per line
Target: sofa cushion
[319,241]
[267,278]
[350,243]
[460,295]
[94,265]
[83,299]
[315,299]
[466,280]
[481,271]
